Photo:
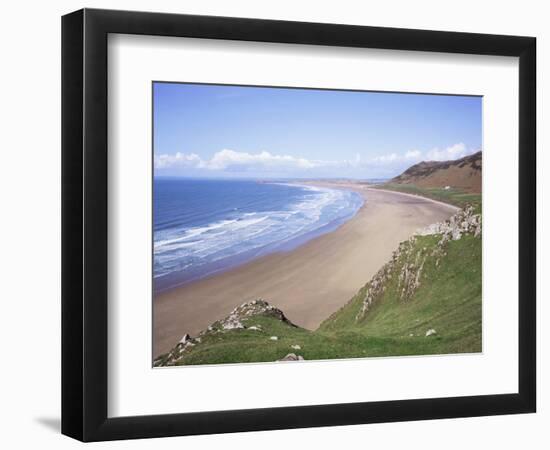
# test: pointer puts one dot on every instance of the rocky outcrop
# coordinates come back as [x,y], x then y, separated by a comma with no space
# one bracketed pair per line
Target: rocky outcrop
[247,310]
[409,276]
[292,357]
[408,261]
[236,320]
[178,352]
[463,222]
[406,264]
[377,286]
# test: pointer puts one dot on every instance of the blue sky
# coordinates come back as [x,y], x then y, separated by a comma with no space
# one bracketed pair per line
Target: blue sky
[218,131]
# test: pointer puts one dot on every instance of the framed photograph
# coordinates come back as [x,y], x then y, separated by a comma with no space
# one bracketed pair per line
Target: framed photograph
[272,224]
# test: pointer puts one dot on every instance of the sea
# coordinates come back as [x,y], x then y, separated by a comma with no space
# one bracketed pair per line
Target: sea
[202,227]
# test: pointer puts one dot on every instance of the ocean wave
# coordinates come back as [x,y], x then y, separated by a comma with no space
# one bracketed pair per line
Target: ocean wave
[193,249]
[189,236]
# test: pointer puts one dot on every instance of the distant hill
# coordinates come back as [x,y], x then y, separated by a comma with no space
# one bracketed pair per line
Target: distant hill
[463,173]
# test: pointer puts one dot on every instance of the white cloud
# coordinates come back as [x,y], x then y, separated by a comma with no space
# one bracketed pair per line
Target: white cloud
[386,159]
[231,160]
[178,159]
[453,152]
[227,160]
[415,156]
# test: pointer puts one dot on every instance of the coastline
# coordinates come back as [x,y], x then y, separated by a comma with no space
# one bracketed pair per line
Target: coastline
[309,282]
[172,281]
[438,202]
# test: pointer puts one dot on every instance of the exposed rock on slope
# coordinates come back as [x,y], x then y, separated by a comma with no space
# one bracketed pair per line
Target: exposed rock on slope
[463,173]
[292,357]
[463,222]
[247,310]
[236,320]
[407,261]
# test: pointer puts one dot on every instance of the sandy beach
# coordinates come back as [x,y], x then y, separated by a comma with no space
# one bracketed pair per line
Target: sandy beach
[307,283]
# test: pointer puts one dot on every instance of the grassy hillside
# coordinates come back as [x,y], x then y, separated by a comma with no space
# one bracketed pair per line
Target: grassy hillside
[447,299]
[453,196]
[432,286]
[463,173]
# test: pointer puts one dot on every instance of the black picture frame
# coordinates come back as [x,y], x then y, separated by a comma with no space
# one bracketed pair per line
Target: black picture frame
[84,224]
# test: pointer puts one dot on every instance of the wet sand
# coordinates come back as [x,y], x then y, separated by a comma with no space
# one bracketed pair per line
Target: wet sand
[308,283]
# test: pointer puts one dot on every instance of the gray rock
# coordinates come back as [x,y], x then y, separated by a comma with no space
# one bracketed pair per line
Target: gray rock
[463,222]
[292,357]
[248,310]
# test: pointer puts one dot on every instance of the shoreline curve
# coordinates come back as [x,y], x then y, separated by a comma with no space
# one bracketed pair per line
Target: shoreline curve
[309,282]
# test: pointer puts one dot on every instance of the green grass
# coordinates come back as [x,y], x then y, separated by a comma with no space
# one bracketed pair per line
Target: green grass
[447,300]
[454,196]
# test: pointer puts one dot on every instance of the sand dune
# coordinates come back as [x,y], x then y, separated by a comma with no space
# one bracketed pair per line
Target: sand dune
[308,283]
